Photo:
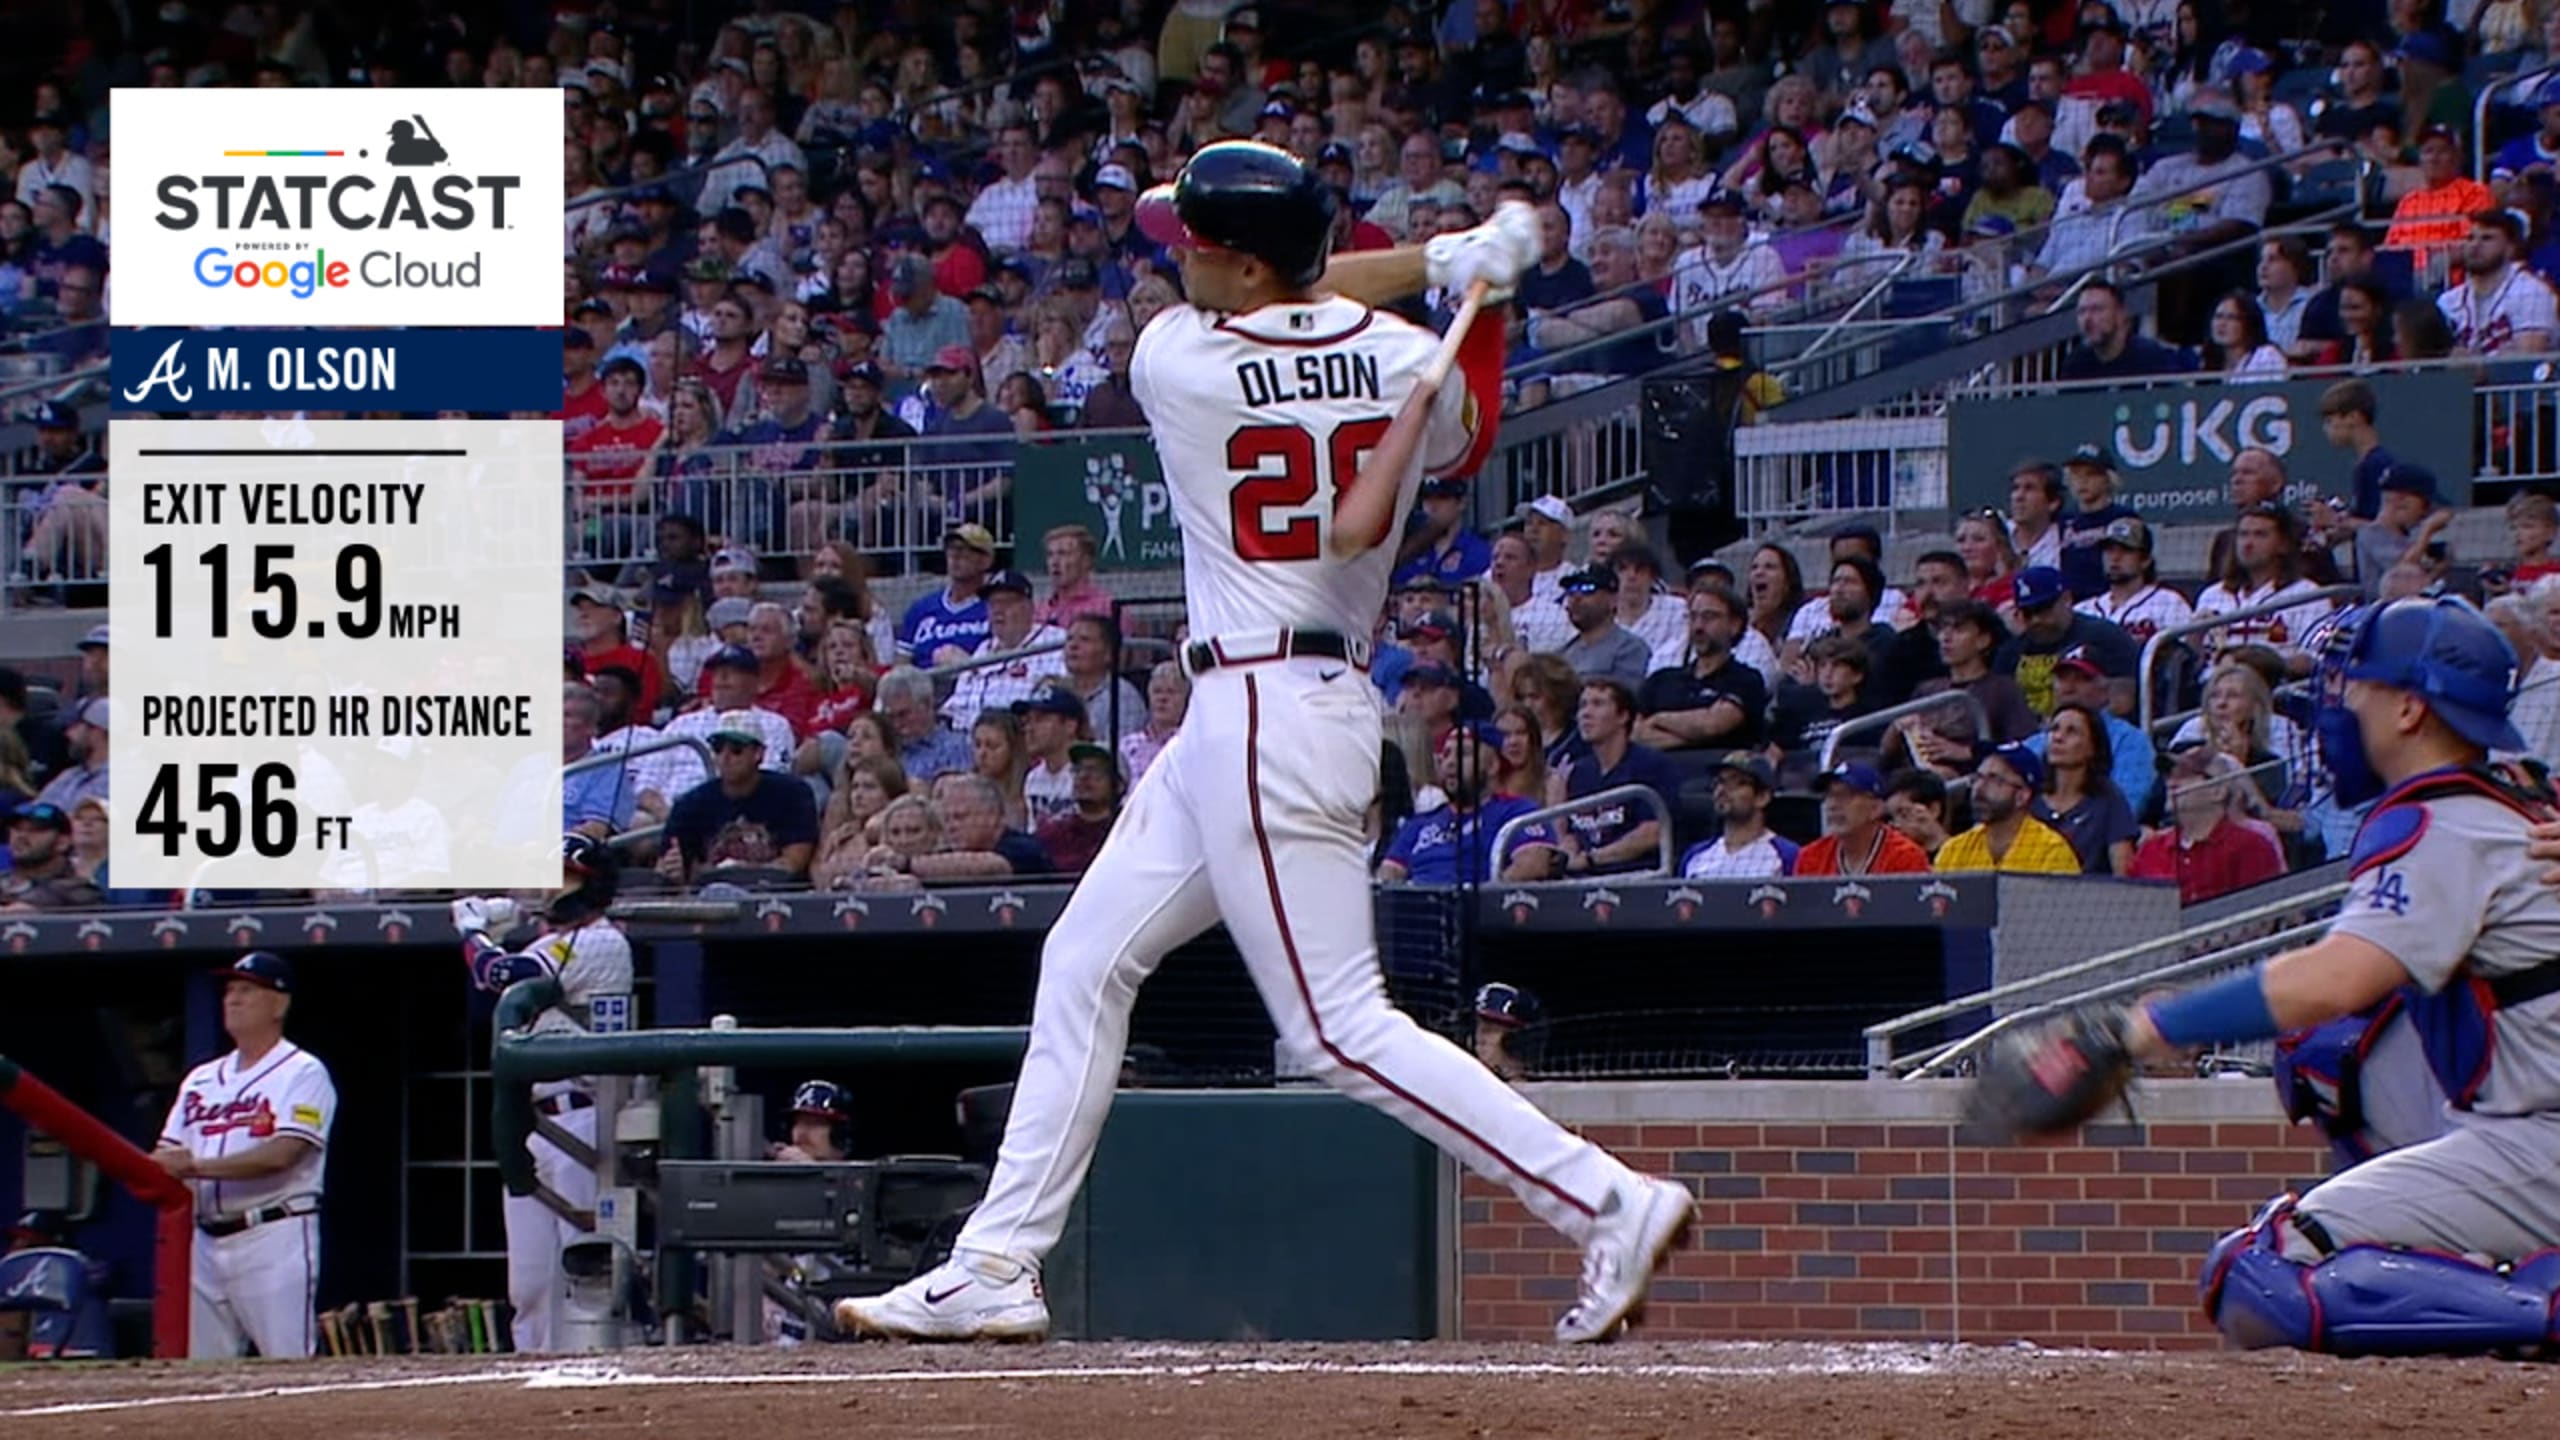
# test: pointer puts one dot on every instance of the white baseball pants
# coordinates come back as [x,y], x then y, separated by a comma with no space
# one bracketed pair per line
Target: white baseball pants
[1252,815]
[535,1235]
[254,1288]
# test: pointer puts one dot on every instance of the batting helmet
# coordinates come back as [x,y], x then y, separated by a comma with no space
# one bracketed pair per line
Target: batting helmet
[824,1098]
[593,873]
[1248,197]
[1507,1006]
[2442,651]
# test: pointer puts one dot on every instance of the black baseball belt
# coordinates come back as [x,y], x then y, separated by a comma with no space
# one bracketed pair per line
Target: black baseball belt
[1223,653]
[220,1226]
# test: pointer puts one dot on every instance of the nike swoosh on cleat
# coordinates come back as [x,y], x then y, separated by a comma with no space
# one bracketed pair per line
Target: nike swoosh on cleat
[1328,676]
[930,1298]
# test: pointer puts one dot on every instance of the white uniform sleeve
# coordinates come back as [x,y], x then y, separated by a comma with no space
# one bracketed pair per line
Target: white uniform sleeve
[595,960]
[310,1103]
[1142,362]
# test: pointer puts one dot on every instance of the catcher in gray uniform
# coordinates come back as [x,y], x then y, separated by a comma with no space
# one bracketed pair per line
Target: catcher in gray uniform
[2445,1245]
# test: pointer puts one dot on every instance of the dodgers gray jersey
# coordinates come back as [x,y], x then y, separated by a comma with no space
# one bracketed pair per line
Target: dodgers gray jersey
[2444,885]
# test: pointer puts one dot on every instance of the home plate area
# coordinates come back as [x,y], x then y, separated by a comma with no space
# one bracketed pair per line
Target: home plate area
[1139,1392]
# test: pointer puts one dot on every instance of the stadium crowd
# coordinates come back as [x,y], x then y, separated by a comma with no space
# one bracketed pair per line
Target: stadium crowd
[823,268]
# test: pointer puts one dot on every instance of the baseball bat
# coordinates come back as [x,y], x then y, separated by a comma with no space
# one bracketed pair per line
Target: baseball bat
[1366,514]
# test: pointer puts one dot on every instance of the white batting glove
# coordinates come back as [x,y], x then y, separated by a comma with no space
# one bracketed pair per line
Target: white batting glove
[1499,252]
[483,914]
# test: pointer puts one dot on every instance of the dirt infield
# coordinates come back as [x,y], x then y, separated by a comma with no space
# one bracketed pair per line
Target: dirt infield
[1413,1392]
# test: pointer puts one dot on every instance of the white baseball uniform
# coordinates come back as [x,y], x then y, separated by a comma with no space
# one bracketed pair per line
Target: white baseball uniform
[590,961]
[1252,814]
[253,1287]
[2486,321]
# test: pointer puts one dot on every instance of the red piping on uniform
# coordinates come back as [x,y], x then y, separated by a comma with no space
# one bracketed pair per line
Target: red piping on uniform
[1293,342]
[1298,973]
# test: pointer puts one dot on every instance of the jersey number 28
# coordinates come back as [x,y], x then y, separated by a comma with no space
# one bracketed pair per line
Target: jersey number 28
[1281,465]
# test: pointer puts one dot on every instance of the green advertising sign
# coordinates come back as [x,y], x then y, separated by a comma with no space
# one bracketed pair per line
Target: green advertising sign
[1111,485]
[2173,442]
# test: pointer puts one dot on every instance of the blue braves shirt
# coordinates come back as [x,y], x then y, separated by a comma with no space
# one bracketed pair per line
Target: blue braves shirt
[1468,556]
[1609,824]
[1442,847]
[934,621]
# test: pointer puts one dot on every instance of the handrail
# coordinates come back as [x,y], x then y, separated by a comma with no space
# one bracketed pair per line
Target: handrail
[1878,719]
[1662,819]
[2215,621]
[1672,320]
[2213,960]
[2480,113]
[1001,657]
[603,757]
[1879,1036]
[1882,282]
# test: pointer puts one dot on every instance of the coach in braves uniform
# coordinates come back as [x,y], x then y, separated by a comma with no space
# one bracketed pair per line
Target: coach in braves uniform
[591,958]
[250,1135]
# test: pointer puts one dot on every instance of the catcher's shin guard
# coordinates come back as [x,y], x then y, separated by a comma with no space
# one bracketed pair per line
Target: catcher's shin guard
[2373,1300]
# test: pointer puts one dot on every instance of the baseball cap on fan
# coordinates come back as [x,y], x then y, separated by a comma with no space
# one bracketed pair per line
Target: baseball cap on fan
[1549,507]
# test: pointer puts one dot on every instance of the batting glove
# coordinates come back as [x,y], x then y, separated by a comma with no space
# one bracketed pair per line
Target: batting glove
[484,914]
[1499,252]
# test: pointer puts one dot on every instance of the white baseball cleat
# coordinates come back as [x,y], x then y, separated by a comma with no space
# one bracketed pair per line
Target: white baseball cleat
[973,1297]
[1634,1231]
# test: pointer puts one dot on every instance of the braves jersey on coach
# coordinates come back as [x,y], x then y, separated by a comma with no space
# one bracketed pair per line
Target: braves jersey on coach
[1318,382]
[226,1108]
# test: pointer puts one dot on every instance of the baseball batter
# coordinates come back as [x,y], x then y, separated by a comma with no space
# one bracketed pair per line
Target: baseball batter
[250,1134]
[2445,1244]
[1265,396]
[591,958]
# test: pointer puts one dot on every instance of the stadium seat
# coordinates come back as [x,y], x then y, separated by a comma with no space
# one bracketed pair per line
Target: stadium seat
[2299,88]
[2484,70]
[2329,183]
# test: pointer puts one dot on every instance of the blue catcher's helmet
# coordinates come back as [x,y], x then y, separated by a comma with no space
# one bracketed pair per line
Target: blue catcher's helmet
[1507,1006]
[2442,651]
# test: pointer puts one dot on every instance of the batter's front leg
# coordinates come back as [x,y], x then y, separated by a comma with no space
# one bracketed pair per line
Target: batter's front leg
[1145,893]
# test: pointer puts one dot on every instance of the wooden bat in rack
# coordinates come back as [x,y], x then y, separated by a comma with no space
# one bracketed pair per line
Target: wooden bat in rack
[1366,515]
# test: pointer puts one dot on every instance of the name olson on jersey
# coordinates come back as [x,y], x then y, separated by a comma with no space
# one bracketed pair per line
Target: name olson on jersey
[1334,375]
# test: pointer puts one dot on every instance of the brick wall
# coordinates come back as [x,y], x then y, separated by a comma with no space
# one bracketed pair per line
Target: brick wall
[1843,1210]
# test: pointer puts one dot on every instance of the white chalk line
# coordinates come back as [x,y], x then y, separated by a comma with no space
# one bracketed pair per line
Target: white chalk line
[593,1377]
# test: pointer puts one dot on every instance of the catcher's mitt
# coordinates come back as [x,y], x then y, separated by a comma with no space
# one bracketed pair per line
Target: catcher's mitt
[2051,1077]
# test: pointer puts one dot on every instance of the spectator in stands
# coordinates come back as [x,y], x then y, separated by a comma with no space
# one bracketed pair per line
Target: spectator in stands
[2284,295]
[1715,701]
[2205,851]
[2237,348]
[1938,579]
[2010,191]
[977,844]
[2035,513]
[1168,701]
[84,756]
[1896,239]
[1645,608]
[1073,839]
[2412,516]
[2135,761]
[745,816]
[2362,100]
[945,625]
[1724,270]
[604,639]
[41,875]
[1092,670]
[2265,567]
[1521,766]
[1430,696]
[1601,648]
[2539,149]
[1438,543]
[908,829]
[864,789]
[782,686]
[1011,628]
[60,245]
[1618,306]
[2091,475]
[1548,689]
[1452,844]
[78,338]
[2500,307]
[1943,739]
[925,746]
[1053,720]
[2536,638]
[2050,628]
[1855,838]
[2089,226]
[923,323]
[1744,846]
[1626,834]
[1546,522]
[2111,346]
[1777,603]
[2079,799]
[2436,216]
[1990,562]
[1418,179]
[1855,583]
[2533,523]
[1915,804]
[2008,837]
[598,800]
[2348,410]
[1812,616]
[1804,715]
